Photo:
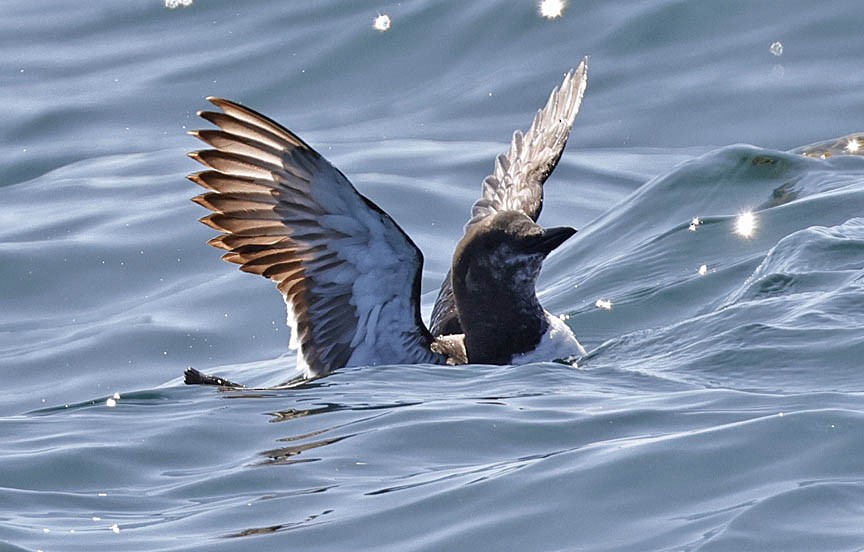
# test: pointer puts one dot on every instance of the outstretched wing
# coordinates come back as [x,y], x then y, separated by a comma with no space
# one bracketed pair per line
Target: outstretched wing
[517,181]
[349,275]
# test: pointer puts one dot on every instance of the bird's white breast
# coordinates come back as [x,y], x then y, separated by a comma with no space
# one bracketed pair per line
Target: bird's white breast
[557,343]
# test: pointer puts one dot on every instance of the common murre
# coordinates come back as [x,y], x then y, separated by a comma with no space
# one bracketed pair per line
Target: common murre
[350,276]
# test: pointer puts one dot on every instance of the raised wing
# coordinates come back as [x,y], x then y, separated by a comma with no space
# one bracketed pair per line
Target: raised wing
[349,275]
[517,181]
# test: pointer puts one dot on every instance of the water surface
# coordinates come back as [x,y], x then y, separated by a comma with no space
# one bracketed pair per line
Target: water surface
[720,407]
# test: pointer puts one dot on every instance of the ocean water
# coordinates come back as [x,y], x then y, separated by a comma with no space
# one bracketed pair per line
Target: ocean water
[717,281]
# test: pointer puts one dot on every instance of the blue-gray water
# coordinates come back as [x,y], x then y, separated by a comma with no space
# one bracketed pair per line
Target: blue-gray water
[721,408]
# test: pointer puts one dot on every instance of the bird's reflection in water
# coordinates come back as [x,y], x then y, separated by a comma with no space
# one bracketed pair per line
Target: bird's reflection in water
[278,527]
[288,454]
[307,441]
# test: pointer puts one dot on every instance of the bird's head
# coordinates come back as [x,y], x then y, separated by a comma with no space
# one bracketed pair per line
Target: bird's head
[505,251]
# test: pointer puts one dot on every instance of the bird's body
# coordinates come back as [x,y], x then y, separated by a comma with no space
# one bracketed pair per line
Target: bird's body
[350,276]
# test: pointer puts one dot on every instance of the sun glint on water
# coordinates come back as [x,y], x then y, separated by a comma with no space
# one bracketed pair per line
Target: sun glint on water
[745,224]
[552,9]
[381,22]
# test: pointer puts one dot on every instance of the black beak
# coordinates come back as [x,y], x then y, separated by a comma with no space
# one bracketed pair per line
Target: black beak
[550,239]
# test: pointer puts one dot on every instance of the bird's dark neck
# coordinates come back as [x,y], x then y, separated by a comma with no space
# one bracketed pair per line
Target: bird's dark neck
[500,318]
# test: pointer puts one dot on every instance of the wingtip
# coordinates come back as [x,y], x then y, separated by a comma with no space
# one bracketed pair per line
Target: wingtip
[581,70]
[219,243]
[222,103]
[195,377]
[209,222]
[202,201]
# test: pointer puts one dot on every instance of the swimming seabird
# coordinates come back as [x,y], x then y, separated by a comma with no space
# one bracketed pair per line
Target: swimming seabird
[350,276]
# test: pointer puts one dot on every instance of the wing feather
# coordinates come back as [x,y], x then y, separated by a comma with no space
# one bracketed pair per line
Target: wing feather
[349,275]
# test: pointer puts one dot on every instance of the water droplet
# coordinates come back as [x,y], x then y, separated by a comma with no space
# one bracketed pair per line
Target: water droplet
[777,48]
[694,224]
[605,304]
